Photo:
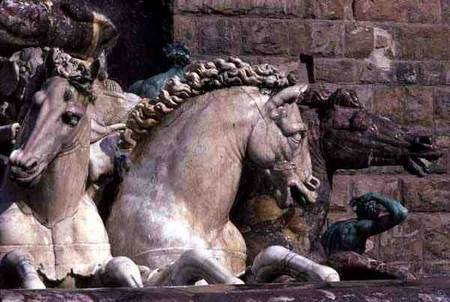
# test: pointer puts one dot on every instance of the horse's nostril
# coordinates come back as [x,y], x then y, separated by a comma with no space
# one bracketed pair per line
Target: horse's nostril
[31,165]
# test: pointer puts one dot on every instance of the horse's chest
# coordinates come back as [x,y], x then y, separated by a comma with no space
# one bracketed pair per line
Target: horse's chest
[75,245]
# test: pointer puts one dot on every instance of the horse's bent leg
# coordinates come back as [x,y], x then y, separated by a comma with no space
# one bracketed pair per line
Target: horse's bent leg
[18,266]
[196,265]
[120,272]
[276,261]
[351,263]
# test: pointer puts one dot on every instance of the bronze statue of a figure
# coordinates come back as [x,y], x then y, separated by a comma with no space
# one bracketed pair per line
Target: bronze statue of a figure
[352,234]
[344,242]
[178,57]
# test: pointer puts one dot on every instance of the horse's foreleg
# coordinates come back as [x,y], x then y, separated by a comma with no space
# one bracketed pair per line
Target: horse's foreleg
[120,272]
[17,267]
[196,265]
[276,261]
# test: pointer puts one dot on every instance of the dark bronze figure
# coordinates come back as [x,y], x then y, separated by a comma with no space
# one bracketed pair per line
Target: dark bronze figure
[178,57]
[352,234]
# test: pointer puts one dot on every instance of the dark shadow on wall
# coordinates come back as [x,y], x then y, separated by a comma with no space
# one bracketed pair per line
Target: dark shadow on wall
[145,28]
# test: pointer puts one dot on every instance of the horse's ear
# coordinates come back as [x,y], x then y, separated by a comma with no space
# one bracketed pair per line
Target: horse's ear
[9,75]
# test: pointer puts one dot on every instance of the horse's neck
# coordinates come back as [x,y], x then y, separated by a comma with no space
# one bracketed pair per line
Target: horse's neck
[197,154]
[61,189]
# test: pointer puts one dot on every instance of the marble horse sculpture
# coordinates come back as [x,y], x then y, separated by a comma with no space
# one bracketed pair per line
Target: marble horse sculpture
[186,167]
[50,231]
[342,135]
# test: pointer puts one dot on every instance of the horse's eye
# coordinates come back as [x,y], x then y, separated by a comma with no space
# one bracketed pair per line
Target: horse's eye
[70,118]
[68,95]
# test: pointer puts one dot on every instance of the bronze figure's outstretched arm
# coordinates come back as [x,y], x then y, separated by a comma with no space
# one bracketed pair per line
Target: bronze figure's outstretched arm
[371,226]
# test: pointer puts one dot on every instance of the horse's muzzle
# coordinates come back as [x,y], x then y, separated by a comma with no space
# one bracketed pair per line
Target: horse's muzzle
[24,170]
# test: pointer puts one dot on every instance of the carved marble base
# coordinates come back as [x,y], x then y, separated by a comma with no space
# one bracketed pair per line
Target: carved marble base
[426,290]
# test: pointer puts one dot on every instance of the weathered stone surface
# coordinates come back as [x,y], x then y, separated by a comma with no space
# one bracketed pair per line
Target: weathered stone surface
[371,291]
[326,38]
[387,102]
[403,242]
[423,42]
[436,236]
[411,106]
[359,40]
[430,194]
[442,107]
[334,70]
[332,10]
[445,7]
[264,37]
[340,197]
[219,36]
[298,38]
[185,31]
[432,73]
[418,11]
[386,185]
[437,268]
[265,8]
[370,73]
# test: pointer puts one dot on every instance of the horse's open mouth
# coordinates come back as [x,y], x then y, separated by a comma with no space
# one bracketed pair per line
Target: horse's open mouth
[26,178]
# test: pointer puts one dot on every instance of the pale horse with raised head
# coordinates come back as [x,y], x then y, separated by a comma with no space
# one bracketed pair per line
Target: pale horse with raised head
[172,211]
[50,231]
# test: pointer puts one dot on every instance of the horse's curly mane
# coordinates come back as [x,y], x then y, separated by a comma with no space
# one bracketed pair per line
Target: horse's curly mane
[202,78]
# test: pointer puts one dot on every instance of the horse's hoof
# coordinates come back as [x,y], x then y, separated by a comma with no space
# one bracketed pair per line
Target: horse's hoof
[32,282]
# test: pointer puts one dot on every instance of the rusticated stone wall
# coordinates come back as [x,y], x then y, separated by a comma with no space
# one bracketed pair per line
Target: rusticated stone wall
[394,53]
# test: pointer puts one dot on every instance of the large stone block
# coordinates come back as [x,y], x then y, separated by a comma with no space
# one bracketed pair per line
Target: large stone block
[331,10]
[359,40]
[442,107]
[340,196]
[417,11]
[445,7]
[436,235]
[185,31]
[299,38]
[411,105]
[265,8]
[403,242]
[437,268]
[423,42]
[219,36]
[265,37]
[370,73]
[326,38]
[387,185]
[334,70]
[430,194]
